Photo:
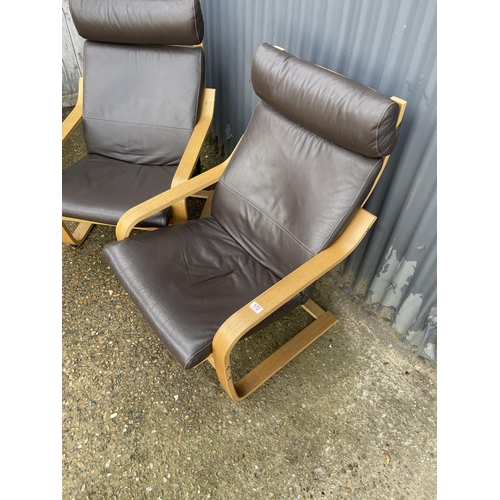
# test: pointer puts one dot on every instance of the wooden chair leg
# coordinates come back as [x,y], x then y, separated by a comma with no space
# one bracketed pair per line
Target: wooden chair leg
[77,237]
[241,389]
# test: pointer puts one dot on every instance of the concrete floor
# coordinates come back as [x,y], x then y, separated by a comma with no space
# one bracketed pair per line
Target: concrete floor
[352,417]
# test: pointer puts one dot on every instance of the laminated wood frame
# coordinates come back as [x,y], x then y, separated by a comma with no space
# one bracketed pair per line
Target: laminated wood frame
[183,173]
[243,320]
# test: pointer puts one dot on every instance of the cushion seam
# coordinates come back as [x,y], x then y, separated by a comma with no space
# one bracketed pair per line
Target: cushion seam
[284,229]
[134,123]
[127,162]
[137,154]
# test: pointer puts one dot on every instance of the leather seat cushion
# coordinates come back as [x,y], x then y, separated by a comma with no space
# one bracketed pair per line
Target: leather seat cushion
[187,280]
[101,189]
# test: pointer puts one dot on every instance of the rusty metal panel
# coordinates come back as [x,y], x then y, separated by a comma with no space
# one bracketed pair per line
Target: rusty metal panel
[389,45]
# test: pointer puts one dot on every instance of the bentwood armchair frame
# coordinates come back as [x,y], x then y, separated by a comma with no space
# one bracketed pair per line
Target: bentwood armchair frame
[243,320]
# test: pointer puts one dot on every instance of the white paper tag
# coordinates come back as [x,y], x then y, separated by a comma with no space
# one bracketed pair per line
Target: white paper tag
[256,308]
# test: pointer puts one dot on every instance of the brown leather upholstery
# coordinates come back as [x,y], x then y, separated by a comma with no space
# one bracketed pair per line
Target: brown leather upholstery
[341,110]
[286,194]
[95,178]
[140,103]
[187,279]
[148,22]
[282,177]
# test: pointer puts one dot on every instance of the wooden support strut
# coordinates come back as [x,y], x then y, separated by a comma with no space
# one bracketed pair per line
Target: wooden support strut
[161,201]
[75,117]
[77,237]
[188,161]
[265,370]
[194,187]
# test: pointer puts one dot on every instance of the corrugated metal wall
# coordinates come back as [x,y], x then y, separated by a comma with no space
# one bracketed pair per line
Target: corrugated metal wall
[389,45]
[72,58]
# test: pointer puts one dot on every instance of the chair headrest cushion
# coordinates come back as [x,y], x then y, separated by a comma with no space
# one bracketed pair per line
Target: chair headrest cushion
[143,22]
[332,106]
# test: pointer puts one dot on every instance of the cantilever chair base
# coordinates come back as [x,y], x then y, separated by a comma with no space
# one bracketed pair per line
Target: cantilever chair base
[245,319]
[323,321]
[78,236]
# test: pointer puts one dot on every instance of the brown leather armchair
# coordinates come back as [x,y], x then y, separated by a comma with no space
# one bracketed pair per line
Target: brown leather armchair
[287,208]
[144,108]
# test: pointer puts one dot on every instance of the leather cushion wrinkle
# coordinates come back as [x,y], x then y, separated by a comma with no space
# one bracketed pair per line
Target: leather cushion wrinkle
[101,189]
[186,280]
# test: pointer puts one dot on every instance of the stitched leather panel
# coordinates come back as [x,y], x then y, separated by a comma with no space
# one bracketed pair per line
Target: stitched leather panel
[140,103]
[288,193]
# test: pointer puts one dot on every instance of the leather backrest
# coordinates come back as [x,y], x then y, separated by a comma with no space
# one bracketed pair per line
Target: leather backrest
[140,103]
[141,88]
[149,22]
[290,189]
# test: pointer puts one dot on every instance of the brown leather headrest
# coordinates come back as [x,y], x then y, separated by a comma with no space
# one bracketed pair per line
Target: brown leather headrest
[332,106]
[143,22]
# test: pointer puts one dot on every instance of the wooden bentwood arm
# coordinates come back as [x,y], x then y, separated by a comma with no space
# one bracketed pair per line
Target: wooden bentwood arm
[166,199]
[75,117]
[68,127]
[235,327]
[188,161]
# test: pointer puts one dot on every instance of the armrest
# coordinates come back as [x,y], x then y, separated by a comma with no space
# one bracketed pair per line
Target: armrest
[200,131]
[75,117]
[191,154]
[245,318]
[163,200]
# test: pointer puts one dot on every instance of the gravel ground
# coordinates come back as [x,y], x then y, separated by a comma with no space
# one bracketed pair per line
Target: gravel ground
[353,416]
